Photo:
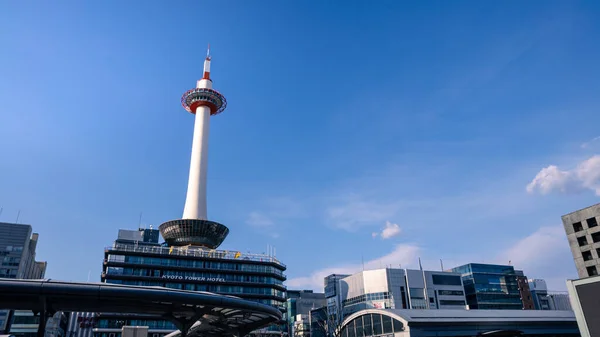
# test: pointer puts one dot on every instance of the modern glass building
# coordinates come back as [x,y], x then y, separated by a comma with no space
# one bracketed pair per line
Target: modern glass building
[137,258]
[489,286]
[18,246]
[301,302]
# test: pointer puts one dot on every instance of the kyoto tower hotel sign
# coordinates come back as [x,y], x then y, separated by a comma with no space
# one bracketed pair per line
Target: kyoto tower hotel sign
[194,228]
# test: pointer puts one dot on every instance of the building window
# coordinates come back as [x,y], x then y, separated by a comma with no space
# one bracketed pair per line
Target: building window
[592,271]
[596,237]
[448,280]
[452,302]
[577,227]
[450,292]
[587,256]
[582,241]
[591,222]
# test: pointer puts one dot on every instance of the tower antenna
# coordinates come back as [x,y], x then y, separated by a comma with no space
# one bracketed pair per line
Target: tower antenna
[140,222]
[18,215]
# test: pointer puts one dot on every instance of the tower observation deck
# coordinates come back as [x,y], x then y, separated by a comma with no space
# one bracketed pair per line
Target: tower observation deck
[194,228]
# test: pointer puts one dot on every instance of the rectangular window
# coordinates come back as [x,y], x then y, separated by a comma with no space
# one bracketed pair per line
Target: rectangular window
[403,294]
[591,222]
[596,237]
[592,271]
[587,256]
[387,324]
[377,330]
[582,241]
[449,280]
[368,325]
[577,227]
[450,292]
[451,302]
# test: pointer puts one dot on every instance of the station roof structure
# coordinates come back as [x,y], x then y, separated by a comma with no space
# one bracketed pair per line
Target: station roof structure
[453,322]
[210,314]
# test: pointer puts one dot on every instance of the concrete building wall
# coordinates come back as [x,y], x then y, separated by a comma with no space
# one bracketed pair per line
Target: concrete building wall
[583,234]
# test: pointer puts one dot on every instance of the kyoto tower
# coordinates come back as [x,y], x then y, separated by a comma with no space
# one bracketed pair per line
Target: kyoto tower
[194,228]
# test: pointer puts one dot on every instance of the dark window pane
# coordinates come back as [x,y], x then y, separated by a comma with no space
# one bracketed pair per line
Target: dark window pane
[451,292]
[387,324]
[368,324]
[577,227]
[358,323]
[398,326]
[452,302]
[450,280]
[377,330]
[351,332]
[591,222]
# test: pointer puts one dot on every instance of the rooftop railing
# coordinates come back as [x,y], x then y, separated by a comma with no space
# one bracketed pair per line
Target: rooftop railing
[195,252]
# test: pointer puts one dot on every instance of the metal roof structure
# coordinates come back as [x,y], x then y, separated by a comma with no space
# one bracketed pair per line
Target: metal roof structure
[209,314]
[453,315]
[448,322]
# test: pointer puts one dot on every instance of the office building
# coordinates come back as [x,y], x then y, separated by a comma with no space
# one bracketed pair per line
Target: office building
[524,291]
[17,260]
[401,289]
[320,323]
[333,296]
[299,304]
[137,258]
[583,234]
[17,252]
[544,300]
[489,286]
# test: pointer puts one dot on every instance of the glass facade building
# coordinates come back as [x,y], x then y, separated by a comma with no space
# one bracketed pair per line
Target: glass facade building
[490,286]
[136,258]
[18,246]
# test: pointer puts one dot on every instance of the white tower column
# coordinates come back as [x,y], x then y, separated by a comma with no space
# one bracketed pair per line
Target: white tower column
[195,201]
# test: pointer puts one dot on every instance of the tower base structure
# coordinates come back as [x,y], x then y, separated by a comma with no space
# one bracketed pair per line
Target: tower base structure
[193,232]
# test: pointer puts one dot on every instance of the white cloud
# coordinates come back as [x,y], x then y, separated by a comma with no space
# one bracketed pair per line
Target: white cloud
[403,254]
[390,230]
[543,254]
[586,176]
[353,213]
[587,144]
[258,219]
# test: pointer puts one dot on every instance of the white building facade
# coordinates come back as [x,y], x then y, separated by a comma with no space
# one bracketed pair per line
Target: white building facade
[401,289]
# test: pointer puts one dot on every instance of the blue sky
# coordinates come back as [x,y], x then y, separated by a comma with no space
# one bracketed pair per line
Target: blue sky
[430,118]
